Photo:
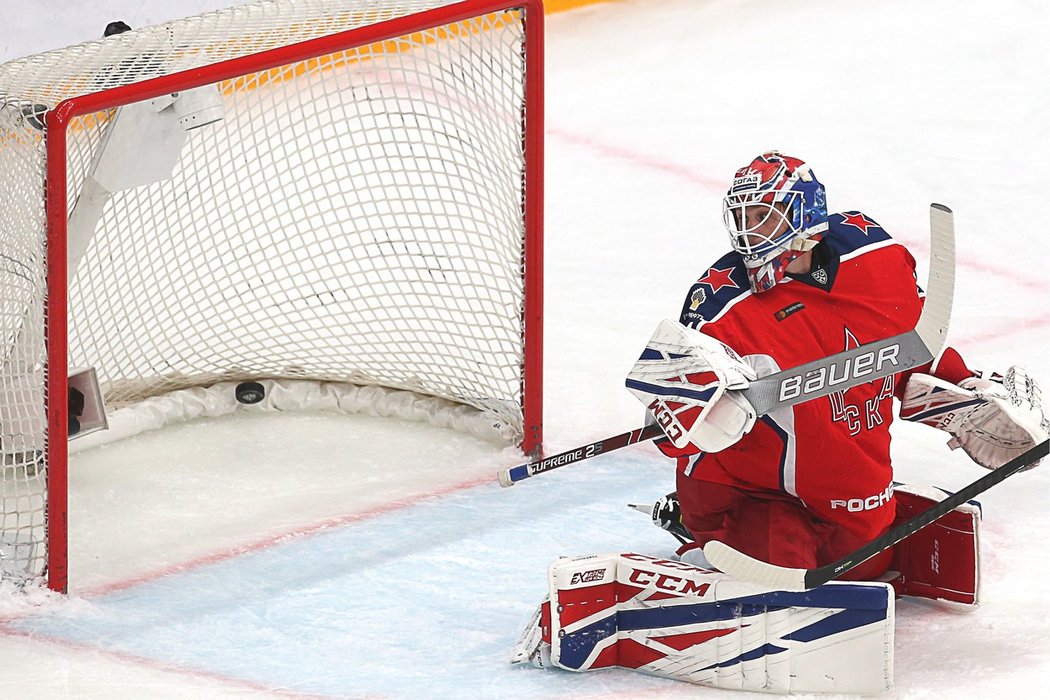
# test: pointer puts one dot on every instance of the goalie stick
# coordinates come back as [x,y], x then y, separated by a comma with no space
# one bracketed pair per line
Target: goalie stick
[812,380]
[881,358]
[741,566]
[512,475]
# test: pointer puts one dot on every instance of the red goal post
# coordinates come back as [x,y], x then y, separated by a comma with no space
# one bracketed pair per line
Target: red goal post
[445,300]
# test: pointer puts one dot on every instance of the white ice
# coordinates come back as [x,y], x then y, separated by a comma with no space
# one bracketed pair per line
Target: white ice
[323,556]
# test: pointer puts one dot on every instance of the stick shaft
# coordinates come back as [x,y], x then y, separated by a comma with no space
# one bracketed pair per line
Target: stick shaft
[812,380]
[512,475]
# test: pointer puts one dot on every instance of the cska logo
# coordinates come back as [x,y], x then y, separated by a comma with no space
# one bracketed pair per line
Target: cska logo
[850,413]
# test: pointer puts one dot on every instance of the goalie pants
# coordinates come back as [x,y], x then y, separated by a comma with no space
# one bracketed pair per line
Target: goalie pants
[770,526]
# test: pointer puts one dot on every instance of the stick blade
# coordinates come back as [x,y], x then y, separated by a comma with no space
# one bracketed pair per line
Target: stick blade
[940,287]
[746,568]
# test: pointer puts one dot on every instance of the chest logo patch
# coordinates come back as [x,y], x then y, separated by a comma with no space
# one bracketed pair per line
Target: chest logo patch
[788,310]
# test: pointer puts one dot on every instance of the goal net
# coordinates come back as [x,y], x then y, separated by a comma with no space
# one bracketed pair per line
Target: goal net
[345,192]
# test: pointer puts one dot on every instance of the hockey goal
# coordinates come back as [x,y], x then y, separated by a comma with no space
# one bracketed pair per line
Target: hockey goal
[345,193]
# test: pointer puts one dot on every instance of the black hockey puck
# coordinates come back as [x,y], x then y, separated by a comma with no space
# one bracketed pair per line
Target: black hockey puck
[250,392]
[117,27]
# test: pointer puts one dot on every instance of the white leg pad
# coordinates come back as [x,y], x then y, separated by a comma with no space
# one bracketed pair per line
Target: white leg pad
[674,620]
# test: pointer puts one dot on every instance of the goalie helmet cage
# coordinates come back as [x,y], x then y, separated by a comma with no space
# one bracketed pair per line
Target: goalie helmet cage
[357,198]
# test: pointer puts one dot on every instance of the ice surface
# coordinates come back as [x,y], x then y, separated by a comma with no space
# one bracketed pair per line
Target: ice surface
[316,556]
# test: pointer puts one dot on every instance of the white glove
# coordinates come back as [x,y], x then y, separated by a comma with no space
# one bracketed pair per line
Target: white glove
[692,384]
[992,419]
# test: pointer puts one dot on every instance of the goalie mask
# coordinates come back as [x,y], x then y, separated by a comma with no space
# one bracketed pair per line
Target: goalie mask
[775,211]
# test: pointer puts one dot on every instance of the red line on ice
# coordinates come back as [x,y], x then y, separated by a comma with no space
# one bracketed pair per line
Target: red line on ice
[273,540]
[1009,275]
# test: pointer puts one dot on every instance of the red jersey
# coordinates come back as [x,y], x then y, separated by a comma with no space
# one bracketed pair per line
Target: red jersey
[833,452]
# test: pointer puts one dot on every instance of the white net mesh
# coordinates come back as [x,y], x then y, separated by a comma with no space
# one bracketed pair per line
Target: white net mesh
[355,217]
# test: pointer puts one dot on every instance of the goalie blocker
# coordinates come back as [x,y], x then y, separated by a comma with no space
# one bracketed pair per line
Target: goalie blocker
[674,620]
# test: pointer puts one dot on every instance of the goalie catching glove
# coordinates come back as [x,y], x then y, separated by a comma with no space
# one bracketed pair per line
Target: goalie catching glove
[992,419]
[692,384]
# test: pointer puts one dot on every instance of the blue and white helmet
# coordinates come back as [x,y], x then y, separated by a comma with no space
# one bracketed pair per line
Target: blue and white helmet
[774,211]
